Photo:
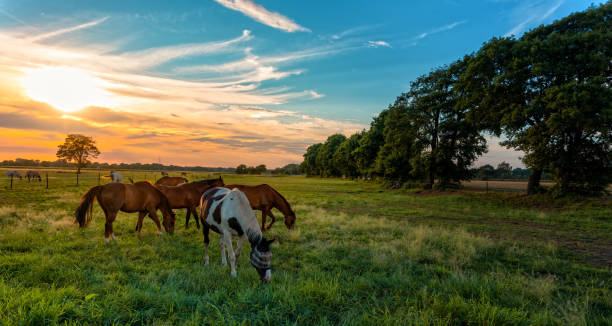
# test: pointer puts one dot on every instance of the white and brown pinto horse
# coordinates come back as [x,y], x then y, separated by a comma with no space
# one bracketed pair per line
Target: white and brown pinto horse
[228,213]
[13,173]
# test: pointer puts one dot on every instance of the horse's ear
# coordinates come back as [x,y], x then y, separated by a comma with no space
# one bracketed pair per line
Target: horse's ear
[270,241]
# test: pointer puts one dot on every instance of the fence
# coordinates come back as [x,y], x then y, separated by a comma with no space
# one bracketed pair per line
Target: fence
[54,179]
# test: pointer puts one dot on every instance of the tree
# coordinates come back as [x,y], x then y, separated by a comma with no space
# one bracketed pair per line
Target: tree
[448,143]
[345,158]
[241,169]
[369,145]
[486,172]
[78,149]
[260,169]
[549,94]
[309,165]
[324,160]
[503,171]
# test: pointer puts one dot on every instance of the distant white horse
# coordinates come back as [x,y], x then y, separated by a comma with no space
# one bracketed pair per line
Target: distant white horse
[116,176]
[228,213]
[13,173]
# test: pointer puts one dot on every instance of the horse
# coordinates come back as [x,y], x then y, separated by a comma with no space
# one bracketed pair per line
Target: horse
[141,197]
[116,176]
[264,198]
[30,174]
[187,195]
[164,173]
[13,173]
[170,181]
[228,213]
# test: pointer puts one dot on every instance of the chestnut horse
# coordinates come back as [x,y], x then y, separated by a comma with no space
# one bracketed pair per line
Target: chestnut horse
[141,197]
[264,198]
[187,195]
[170,181]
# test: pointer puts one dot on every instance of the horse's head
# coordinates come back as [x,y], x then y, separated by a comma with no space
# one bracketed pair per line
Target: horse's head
[218,182]
[290,219]
[261,258]
[169,220]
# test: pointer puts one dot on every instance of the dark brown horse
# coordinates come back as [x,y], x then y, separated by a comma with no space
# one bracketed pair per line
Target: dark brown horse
[187,195]
[264,198]
[141,197]
[170,181]
[31,174]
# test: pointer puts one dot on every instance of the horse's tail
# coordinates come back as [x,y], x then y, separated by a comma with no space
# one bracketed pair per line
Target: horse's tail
[83,213]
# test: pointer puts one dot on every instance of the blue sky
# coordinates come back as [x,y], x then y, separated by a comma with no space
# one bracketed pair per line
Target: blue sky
[300,70]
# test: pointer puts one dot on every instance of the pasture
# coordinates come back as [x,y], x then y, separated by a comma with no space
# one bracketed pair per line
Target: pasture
[358,255]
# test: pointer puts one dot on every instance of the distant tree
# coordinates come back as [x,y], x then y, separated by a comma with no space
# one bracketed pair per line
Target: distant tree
[309,165]
[549,94]
[241,169]
[345,158]
[486,172]
[261,169]
[503,171]
[78,149]
[324,160]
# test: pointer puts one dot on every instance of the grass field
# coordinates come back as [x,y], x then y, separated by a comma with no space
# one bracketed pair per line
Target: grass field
[358,255]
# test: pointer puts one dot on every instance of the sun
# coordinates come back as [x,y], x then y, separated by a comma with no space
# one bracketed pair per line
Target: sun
[66,89]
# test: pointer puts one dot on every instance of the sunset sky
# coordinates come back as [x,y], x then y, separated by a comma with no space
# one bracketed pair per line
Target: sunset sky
[224,82]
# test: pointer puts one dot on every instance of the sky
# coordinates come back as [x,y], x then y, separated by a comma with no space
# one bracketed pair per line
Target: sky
[228,82]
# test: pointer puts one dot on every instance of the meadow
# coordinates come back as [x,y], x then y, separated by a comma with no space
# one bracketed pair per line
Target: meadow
[359,254]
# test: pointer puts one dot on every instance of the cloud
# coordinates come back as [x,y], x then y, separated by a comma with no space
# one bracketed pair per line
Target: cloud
[66,30]
[375,44]
[536,12]
[440,29]
[260,14]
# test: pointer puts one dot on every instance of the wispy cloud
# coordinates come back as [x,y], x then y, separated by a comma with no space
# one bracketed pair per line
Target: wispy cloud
[532,13]
[262,15]
[440,29]
[9,15]
[375,44]
[66,30]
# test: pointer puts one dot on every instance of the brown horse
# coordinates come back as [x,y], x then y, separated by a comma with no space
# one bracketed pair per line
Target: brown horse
[264,198]
[31,174]
[141,197]
[170,181]
[187,195]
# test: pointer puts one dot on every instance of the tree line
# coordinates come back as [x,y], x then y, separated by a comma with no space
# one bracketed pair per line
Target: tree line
[546,94]
[289,169]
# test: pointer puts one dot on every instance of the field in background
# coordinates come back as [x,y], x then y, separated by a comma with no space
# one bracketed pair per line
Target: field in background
[358,255]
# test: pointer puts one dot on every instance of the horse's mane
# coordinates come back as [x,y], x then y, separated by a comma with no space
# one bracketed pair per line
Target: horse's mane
[281,196]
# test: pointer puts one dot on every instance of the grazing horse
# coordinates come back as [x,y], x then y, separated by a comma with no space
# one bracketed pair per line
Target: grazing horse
[13,173]
[264,198]
[30,174]
[141,197]
[116,176]
[187,195]
[228,213]
[170,181]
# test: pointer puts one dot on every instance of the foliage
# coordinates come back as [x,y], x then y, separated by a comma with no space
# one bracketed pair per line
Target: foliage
[549,94]
[243,169]
[78,149]
[289,169]
[325,156]
[309,165]
[369,145]
[345,157]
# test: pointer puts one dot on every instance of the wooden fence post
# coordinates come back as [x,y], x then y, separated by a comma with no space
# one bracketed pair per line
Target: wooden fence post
[11,181]
[77,179]
[98,178]
[47,178]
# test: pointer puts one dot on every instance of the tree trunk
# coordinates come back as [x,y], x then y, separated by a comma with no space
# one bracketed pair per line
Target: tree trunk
[534,181]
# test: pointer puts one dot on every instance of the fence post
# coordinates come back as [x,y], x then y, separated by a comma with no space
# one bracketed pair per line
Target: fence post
[77,179]
[11,181]
[487,186]
[98,178]
[47,178]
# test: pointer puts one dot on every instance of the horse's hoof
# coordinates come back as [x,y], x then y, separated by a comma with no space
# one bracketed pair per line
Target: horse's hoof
[206,261]
[234,274]
[160,233]
[107,240]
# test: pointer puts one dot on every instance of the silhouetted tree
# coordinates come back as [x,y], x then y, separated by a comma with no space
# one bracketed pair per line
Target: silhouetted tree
[78,149]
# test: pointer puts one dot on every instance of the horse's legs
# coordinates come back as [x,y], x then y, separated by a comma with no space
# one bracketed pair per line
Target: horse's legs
[222,245]
[108,227]
[239,246]
[205,231]
[263,220]
[153,216]
[141,216]
[273,219]
[230,252]
[187,218]
[194,212]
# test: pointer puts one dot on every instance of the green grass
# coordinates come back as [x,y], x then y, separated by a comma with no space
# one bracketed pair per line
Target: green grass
[358,255]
